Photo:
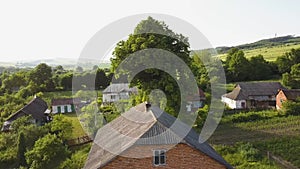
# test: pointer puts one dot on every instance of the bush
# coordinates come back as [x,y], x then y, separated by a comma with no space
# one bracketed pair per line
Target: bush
[291,108]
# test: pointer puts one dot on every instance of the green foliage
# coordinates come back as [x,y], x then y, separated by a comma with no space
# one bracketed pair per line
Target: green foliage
[145,36]
[41,76]
[238,68]
[291,108]
[77,160]
[202,115]
[61,126]
[21,147]
[292,79]
[285,147]
[244,155]
[48,152]
[91,118]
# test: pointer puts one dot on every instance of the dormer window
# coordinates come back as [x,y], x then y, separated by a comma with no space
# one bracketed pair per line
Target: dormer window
[159,157]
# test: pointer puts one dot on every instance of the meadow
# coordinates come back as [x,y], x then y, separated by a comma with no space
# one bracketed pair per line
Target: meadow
[269,53]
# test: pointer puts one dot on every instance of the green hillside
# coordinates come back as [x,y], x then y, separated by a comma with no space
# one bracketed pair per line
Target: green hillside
[269,53]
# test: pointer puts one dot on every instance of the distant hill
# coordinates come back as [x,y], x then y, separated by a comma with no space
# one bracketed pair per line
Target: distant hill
[67,63]
[271,42]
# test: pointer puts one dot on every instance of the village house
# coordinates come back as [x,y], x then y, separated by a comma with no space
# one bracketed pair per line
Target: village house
[146,137]
[37,108]
[286,95]
[247,95]
[117,91]
[65,105]
[194,102]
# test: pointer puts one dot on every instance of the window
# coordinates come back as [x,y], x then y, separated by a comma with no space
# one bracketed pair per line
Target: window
[159,157]
[113,97]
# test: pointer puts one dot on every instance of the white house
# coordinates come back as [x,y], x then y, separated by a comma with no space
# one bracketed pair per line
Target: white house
[117,91]
[65,105]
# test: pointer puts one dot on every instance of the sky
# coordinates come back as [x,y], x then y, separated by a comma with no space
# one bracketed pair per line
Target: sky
[34,29]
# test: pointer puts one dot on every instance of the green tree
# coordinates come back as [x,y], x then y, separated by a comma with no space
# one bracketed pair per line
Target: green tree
[238,67]
[66,81]
[150,79]
[61,126]
[41,76]
[48,152]
[289,59]
[260,68]
[21,146]
[101,81]
[292,79]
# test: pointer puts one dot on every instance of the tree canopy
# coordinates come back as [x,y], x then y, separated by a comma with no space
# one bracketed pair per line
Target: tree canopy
[149,34]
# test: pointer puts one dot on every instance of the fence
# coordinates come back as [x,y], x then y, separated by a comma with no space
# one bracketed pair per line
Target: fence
[280,161]
[79,141]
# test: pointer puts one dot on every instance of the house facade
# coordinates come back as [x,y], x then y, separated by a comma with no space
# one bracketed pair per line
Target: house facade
[247,95]
[65,105]
[116,92]
[143,137]
[286,95]
[194,102]
[36,108]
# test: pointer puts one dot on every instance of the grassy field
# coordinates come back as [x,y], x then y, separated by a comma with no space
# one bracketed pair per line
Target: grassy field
[77,128]
[269,53]
[268,132]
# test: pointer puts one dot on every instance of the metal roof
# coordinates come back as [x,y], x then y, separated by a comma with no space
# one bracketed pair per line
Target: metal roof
[119,87]
[142,126]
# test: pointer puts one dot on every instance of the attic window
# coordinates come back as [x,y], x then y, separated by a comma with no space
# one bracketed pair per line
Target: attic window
[159,157]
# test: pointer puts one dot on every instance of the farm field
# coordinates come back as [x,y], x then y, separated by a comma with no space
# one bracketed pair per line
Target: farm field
[269,53]
[268,131]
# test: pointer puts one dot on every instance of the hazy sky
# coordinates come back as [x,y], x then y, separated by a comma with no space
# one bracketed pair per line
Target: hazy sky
[35,29]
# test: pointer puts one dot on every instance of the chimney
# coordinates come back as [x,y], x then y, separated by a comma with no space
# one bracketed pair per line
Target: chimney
[148,105]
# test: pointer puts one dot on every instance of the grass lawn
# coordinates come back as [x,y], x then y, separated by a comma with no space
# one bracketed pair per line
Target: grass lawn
[77,129]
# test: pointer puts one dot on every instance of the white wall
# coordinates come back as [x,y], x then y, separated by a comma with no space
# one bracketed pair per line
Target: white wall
[107,97]
[233,104]
[54,109]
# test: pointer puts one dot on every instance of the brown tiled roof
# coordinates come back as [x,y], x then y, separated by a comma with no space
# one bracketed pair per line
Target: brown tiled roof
[292,94]
[245,89]
[65,101]
[143,127]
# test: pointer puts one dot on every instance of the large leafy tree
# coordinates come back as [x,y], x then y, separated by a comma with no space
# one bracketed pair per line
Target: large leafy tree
[289,59]
[261,69]
[47,153]
[238,67]
[292,79]
[41,78]
[101,80]
[151,33]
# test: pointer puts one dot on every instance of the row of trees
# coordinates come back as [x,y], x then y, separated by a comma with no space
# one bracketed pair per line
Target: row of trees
[239,68]
[44,78]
